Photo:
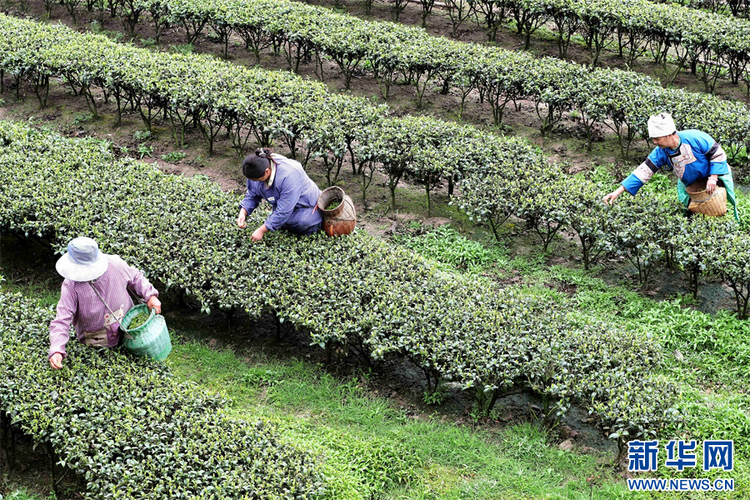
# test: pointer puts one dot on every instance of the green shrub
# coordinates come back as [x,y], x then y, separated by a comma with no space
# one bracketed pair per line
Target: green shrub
[185,48]
[141,135]
[82,117]
[130,430]
[145,150]
[376,299]
[447,246]
[173,157]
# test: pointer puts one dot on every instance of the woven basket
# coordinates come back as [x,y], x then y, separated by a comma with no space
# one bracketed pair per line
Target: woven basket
[701,202]
[340,220]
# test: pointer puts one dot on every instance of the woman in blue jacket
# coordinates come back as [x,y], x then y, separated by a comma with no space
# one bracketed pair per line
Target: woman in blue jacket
[285,185]
[692,154]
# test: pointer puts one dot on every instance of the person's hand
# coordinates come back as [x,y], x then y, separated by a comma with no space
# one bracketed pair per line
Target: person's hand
[711,185]
[155,304]
[241,222]
[611,197]
[258,233]
[55,361]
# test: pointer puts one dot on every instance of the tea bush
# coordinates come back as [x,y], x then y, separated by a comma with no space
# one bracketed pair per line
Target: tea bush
[619,100]
[357,292]
[127,428]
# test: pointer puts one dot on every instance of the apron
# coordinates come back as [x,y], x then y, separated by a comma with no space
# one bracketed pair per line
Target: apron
[99,338]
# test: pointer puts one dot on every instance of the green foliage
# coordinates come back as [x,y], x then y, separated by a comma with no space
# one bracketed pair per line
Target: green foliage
[138,320]
[79,118]
[500,177]
[633,230]
[580,200]
[116,36]
[445,460]
[20,495]
[145,150]
[391,302]
[435,397]
[96,27]
[173,156]
[447,246]
[619,100]
[709,415]
[184,49]
[145,435]
[718,248]
[141,135]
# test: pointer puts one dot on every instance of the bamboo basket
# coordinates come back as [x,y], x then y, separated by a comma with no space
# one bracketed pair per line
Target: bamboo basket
[701,202]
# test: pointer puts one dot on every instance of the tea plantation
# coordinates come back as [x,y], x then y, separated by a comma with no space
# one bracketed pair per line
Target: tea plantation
[476,327]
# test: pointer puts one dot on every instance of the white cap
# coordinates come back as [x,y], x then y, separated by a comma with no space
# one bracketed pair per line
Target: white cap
[83,261]
[661,125]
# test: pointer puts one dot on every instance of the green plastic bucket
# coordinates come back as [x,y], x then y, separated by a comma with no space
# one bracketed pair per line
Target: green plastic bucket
[151,339]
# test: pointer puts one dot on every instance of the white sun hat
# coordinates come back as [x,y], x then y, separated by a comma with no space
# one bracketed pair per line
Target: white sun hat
[661,125]
[83,261]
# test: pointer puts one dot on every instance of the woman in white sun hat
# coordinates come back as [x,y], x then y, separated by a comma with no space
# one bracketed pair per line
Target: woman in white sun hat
[692,154]
[94,297]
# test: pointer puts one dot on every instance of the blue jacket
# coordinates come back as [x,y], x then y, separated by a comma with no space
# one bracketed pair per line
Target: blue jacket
[293,197]
[697,157]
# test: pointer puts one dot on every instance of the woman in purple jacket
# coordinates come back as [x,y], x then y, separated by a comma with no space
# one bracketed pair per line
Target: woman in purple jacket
[94,298]
[285,185]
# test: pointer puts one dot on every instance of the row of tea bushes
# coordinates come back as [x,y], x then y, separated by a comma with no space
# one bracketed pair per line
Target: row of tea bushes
[378,300]
[129,430]
[618,100]
[648,230]
[270,105]
[501,177]
[248,103]
[737,8]
[707,42]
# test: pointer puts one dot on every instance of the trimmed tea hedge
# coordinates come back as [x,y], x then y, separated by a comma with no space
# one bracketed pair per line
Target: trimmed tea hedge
[616,99]
[502,177]
[249,103]
[127,428]
[355,291]
[737,8]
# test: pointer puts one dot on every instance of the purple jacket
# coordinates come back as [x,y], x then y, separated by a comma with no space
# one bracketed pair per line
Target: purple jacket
[293,197]
[80,305]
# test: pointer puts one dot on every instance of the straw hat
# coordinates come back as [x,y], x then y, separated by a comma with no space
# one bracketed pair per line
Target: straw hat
[83,261]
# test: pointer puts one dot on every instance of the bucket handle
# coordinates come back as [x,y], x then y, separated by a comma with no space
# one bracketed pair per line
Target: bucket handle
[125,331]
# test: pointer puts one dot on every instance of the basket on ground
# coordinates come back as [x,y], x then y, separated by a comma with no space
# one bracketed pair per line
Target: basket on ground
[151,339]
[342,219]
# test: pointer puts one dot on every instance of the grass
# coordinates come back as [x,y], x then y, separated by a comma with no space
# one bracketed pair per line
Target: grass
[20,495]
[371,446]
[449,248]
